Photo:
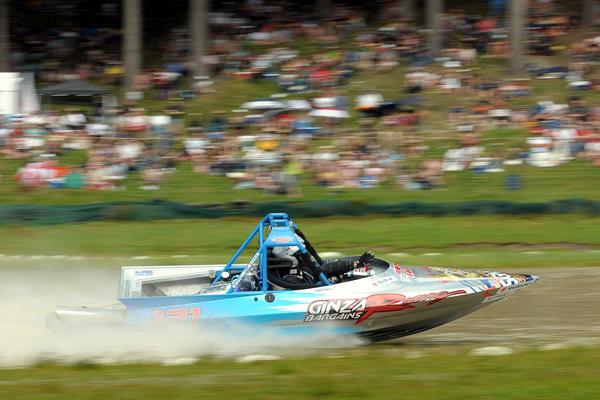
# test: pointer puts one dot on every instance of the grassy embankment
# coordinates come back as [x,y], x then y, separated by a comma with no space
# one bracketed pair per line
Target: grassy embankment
[481,241]
[382,372]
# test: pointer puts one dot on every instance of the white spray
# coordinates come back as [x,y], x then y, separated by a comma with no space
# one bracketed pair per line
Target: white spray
[28,295]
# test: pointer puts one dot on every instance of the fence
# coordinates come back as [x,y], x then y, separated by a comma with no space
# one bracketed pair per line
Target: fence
[159,209]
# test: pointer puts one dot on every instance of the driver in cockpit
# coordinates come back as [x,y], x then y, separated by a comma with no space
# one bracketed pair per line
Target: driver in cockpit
[303,270]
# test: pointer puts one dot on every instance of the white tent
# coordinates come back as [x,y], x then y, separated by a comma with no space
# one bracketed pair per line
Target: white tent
[298,105]
[329,113]
[263,105]
[17,93]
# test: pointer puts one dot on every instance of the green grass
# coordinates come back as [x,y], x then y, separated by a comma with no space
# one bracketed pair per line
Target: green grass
[571,180]
[469,242]
[380,372]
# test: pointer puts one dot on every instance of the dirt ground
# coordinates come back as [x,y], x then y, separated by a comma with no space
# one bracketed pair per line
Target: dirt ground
[562,307]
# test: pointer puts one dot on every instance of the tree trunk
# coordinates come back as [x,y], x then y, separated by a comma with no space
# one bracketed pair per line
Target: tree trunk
[588,12]
[4,37]
[324,9]
[408,9]
[433,13]
[132,38]
[517,16]
[198,34]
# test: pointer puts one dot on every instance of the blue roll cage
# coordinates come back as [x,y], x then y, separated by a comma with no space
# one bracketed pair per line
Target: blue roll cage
[274,230]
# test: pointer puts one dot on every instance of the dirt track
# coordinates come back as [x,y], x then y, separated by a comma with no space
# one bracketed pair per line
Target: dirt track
[562,307]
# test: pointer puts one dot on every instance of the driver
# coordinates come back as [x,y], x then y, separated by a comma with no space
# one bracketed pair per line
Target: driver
[291,257]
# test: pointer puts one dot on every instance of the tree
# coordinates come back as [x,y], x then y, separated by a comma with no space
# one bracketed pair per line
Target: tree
[517,16]
[132,38]
[198,34]
[433,14]
[4,37]
[588,12]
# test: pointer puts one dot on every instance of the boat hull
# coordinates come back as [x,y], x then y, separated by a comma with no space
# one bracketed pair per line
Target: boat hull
[399,301]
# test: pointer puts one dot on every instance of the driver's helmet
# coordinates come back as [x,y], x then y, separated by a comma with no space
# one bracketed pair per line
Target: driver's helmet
[283,251]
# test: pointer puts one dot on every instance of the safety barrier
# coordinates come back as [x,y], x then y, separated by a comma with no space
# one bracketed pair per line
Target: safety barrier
[161,209]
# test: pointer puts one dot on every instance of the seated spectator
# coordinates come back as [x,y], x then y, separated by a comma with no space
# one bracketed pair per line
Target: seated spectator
[75,179]
[152,177]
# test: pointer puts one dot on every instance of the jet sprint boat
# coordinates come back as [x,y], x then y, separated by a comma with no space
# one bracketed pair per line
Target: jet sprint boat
[287,285]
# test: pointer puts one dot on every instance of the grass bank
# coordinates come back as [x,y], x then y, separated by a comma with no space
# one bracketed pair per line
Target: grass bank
[478,241]
[381,372]
[572,180]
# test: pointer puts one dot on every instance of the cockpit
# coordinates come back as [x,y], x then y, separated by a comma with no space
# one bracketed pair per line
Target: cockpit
[284,260]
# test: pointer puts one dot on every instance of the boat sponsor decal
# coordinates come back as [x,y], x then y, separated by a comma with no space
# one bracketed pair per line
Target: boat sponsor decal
[487,283]
[281,239]
[144,272]
[405,273]
[503,279]
[521,277]
[474,286]
[504,291]
[384,281]
[324,288]
[378,303]
[361,309]
[335,310]
[452,274]
[512,288]
[176,314]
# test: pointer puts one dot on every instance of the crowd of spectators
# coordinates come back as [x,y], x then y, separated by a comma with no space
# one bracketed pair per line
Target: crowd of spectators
[405,137]
[92,49]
